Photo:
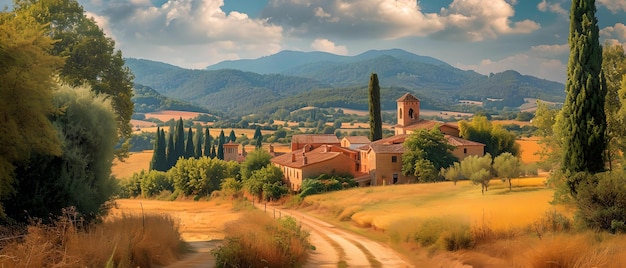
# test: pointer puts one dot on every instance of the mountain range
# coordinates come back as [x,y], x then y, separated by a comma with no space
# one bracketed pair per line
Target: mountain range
[291,80]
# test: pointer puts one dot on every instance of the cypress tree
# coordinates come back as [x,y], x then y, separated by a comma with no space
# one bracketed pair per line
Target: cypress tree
[259,142]
[179,139]
[220,150]
[257,133]
[232,137]
[159,157]
[155,151]
[197,141]
[189,147]
[222,138]
[208,140]
[213,153]
[583,115]
[376,122]
[171,152]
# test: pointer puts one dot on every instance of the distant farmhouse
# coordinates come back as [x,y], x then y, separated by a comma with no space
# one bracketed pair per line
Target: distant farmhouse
[370,163]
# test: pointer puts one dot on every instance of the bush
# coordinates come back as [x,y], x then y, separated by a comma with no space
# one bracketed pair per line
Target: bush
[443,233]
[600,201]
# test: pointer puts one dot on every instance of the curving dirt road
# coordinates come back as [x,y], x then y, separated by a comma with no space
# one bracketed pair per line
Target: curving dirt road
[337,248]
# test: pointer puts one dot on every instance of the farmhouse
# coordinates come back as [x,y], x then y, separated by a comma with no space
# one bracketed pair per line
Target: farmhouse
[370,163]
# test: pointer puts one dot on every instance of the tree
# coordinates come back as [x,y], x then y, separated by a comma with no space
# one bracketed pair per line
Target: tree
[545,120]
[232,137]
[81,176]
[376,122]
[171,152]
[452,173]
[507,166]
[497,140]
[613,67]
[208,143]
[27,74]
[213,152]
[197,141]
[159,157]
[220,150]
[429,145]
[265,183]
[257,133]
[583,115]
[189,147]
[478,170]
[179,139]
[254,161]
[90,56]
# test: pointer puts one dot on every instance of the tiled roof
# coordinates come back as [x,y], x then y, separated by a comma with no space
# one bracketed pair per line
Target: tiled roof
[358,139]
[393,144]
[407,97]
[456,141]
[296,159]
[315,139]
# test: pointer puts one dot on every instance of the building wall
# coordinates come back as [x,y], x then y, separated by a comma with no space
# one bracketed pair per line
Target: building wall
[383,169]
[230,152]
[467,150]
[293,177]
[448,130]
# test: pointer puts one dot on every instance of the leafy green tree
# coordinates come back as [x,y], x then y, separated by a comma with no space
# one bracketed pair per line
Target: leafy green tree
[261,182]
[198,176]
[507,166]
[426,145]
[614,68]
[208,143]
[476,169]
[90,56]
[496,139]
[545,120]
[81,176]
[600,201]
[255,160]
[27,74]
[154,182]
[232,137]
[583,115]
[197,141]
[189,147]
[452,173]
[376,123]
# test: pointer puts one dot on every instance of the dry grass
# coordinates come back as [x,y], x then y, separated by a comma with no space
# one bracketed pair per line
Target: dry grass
[169,114]
[134,163]
[257,240]
[126,241]
[529,149]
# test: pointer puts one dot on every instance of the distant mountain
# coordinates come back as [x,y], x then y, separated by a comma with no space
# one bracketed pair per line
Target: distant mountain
[295,79]
[148,100]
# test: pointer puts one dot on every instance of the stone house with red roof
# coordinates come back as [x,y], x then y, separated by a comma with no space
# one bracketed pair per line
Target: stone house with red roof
[313,140]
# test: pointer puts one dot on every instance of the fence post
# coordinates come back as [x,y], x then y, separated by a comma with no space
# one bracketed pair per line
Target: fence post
[274,213]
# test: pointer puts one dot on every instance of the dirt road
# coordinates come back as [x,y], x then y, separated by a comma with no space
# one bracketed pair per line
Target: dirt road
[338,248]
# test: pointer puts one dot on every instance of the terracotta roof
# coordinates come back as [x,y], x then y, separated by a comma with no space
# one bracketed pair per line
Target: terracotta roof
[456,141]
[358,139]
[315,138]
[427,124]
[296,159]
[407,97]
[393,144]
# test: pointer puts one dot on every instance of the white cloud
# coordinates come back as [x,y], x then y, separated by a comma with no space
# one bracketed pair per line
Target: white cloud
[473,20]
[551,50]
[326,45]
[617,31]
[550,69]
[614,5]
[192,33]
[556,8]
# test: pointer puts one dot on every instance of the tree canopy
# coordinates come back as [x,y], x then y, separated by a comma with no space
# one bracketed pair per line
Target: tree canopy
[426,152]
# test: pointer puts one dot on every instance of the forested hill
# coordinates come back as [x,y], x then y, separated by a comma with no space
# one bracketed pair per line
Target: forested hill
[292,78]
[148,100]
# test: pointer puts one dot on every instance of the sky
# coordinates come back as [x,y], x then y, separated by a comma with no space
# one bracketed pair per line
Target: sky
[487,36]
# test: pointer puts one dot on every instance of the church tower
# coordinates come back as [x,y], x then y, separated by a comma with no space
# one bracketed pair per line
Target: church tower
[408,110]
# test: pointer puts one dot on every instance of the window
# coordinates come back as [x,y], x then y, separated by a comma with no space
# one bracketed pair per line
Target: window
[394,159]
[411,113]
[400,113]
[395,178]
[465,150]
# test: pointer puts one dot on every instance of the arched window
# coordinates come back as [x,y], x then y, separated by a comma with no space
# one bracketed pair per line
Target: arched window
[411,113]
[400,113]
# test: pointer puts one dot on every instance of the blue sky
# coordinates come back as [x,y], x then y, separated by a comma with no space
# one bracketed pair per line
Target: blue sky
[529,36]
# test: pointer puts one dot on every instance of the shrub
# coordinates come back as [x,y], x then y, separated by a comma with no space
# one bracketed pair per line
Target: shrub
[600,201]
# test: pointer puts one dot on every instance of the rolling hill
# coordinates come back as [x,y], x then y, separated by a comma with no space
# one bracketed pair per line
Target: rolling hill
[291,79]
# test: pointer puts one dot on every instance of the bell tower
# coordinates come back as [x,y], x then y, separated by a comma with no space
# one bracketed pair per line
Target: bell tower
[408,110]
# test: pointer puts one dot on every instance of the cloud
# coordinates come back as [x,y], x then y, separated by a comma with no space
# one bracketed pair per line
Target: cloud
[550,69]
[556,8]
[193,32]
[551,50]
[617,31]
[614,5]
[469,20]
[326,45]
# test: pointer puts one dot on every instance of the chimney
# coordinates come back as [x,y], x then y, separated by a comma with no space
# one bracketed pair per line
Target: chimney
[304,160]
[293,157]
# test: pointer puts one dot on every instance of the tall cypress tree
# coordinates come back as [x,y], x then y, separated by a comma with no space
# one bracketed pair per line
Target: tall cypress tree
[232,137]
[213,153]
[220,150]
[171,152]
[376,122]
[189,147]
[179,139]
[257,133]
[155,151]
[159,157]
[208,140]
[222,137]
[583,114]
[197,141]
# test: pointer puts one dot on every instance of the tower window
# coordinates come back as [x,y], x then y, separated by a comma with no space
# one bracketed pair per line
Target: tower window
[400,113]
[411,113]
